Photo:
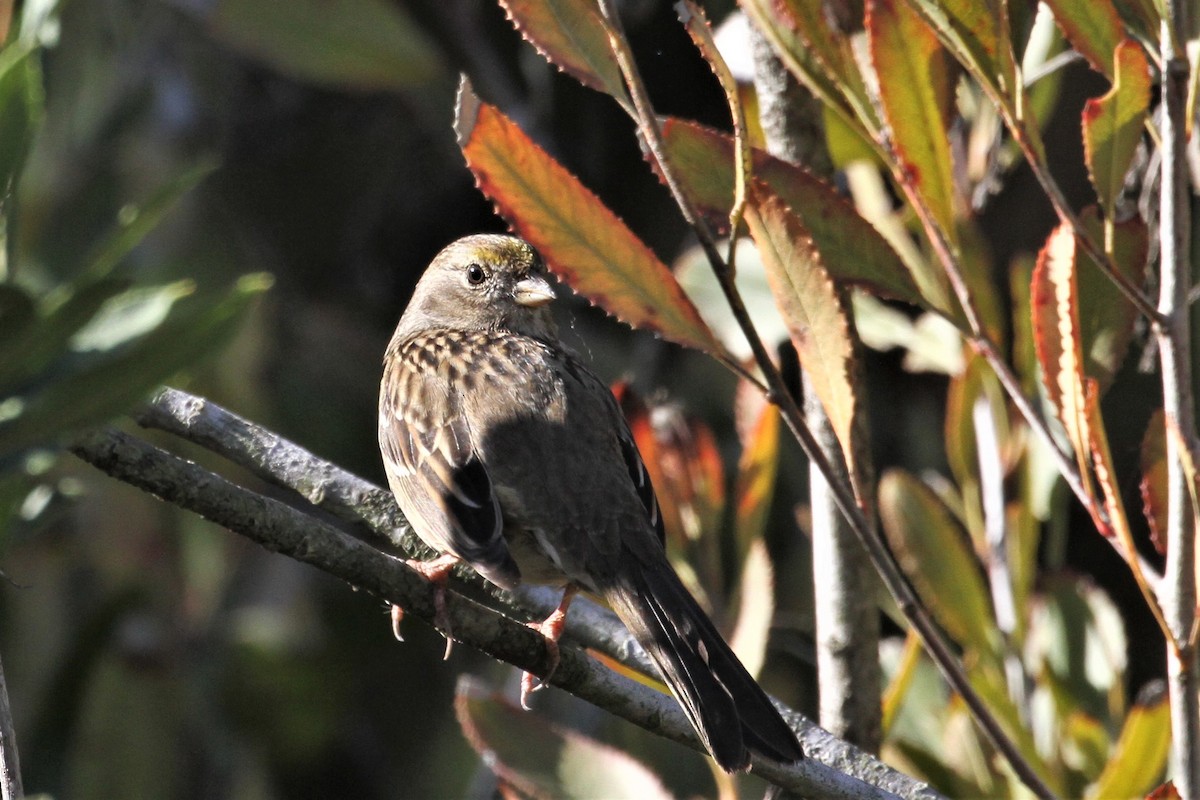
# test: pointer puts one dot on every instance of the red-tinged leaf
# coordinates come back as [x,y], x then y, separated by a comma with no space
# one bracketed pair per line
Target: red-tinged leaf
[915,91]
[1112,124]
[934,553]
[855,252]
[756,477]
[977,34]
[1114,506]
[1166,791]
[1140,755]
[1055,300]
[1153,485]
[811,307]
[541,759]
[573,36]
[1093,27]
[638,416]
[580,239]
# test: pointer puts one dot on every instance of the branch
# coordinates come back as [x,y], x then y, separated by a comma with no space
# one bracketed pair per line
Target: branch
[1173,334]
[282,528]
[10,765]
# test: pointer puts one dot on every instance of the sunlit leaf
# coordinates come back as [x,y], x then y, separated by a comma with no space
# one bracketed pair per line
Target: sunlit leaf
[1055,303]
[755,484]
[915,91]
[833,86]
[1093,27]
[934,553]
[977,33]
[580,239]
[756,608]
[1112,124]
[540,759]
[853,249]
[1140,756]
[572,35]
[812,308]
[361,44]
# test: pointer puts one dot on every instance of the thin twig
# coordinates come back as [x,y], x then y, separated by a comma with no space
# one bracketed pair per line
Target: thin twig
[906,599]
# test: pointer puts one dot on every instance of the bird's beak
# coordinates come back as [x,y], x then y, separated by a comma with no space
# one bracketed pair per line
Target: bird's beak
[533,291]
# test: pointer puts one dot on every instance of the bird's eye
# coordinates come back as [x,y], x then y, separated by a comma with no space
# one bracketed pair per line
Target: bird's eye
[475,274]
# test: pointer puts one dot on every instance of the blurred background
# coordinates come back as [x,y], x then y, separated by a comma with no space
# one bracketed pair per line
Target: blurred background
[151,655]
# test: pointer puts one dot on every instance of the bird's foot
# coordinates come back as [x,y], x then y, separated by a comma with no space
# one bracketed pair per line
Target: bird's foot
[551,628]
[436,572]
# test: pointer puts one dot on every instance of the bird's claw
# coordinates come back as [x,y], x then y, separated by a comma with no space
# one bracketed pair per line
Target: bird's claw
[436,572]
[551,628]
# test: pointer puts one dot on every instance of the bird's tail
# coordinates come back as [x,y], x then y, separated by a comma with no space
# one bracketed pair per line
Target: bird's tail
[728,709]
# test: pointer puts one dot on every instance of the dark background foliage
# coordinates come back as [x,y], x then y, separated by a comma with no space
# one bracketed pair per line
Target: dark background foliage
[149,655]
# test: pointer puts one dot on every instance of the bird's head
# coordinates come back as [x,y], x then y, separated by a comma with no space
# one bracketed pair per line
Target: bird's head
[484,282]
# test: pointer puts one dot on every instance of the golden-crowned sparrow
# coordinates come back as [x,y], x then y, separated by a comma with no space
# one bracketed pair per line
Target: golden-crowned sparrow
[506,452]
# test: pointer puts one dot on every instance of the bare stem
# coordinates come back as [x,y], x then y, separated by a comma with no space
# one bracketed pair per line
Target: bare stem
[10,766]
[843,495]
[1173,333]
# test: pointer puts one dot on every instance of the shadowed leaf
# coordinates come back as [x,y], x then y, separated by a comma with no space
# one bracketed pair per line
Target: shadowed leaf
[1153,485]
[363,44]
[580,239]
[854,251]
[540,759]
[915,91]
[811,307]
[21,101]
[571,35]
[1112,124]
[932,550]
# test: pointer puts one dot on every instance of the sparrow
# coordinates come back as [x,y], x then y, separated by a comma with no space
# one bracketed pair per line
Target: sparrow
[504,451]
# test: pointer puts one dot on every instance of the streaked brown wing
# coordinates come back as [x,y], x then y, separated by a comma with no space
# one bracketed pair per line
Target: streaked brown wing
[441,485]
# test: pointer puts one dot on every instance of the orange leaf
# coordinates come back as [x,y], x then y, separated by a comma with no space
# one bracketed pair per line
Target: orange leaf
[573,36]
[582,241]
[1093,27]
[811,307]
[1153,485]
[756,477]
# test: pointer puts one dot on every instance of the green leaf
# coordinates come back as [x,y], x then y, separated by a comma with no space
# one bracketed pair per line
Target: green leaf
[540,759]
[977,33]
[810,304]
[137,220]
[362,44]
[573,36]
[934,553]
[854,251]
[109,382]
[1112,124]
[1093,27]
[915,92]
[31,351]
[1140,756]
[21,107]
[579,237]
